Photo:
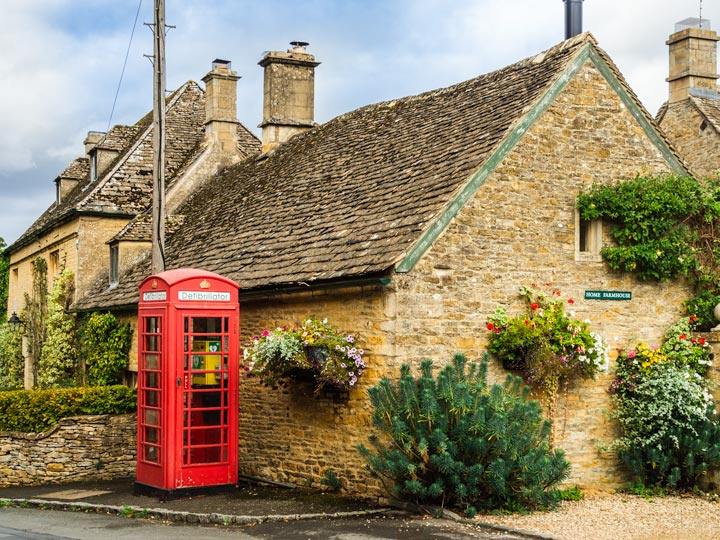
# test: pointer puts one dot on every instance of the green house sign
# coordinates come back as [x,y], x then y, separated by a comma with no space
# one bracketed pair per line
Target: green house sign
[608,295]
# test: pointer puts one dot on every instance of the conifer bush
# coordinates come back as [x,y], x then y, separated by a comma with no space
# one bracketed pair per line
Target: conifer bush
[453,441]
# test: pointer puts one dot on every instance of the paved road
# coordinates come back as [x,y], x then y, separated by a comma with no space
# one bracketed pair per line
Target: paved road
[32,524]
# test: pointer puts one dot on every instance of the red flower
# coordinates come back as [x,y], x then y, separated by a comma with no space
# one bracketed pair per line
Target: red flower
[490,326]
[682,336]
[693,340]
[693,318]
[702,341]
[571,301]
[534,305]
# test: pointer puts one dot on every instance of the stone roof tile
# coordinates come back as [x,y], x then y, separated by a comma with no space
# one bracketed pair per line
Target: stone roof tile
[349,198]
[126,188]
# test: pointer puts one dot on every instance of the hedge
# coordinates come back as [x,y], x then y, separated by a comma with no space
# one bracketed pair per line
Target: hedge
[38,410]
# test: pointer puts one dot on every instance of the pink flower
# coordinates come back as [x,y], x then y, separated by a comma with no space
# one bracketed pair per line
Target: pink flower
[631,354]
[265,333]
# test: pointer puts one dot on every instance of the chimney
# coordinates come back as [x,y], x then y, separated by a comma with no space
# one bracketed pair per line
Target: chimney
[693,59]
[91,141]
[573,18]
[221,105]
[289,94]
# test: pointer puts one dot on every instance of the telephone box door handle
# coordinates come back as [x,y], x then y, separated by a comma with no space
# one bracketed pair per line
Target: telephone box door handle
[179,382]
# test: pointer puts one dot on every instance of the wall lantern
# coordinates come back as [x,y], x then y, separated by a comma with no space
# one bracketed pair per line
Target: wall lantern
[15,323]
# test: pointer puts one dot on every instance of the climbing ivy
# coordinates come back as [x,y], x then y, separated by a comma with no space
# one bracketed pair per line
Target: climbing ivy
[664,226]
[58,365]
[35,314]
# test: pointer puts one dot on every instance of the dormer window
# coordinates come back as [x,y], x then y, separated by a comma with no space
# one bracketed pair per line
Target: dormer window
[114,265]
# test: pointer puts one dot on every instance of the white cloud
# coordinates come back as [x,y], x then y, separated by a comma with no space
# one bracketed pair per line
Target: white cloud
[61,61]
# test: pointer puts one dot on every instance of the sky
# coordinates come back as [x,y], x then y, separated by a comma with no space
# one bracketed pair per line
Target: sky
[61,61]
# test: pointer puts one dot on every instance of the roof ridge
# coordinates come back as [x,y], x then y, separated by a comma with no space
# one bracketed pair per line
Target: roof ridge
[171,101]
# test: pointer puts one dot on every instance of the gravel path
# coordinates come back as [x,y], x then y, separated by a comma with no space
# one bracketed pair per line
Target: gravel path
[622,517]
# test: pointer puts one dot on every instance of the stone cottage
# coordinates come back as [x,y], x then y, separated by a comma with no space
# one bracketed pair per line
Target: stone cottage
[691,116]
[409,222]
[98,194]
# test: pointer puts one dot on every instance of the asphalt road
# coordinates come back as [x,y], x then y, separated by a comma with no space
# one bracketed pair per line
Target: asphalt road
[32,524]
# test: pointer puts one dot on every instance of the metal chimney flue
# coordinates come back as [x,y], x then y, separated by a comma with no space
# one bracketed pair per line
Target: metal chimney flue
[573,18]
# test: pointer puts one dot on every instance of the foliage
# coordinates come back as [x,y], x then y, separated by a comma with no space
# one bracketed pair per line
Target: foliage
[660,224]
[35,314]
[331,357]
[106,346]
[331,480]
[12,363]
[59,360]
[4,280]
[665,227]
[456,442]
[38,410]
[573,493]
[546,344]
[702,307]
[669,432]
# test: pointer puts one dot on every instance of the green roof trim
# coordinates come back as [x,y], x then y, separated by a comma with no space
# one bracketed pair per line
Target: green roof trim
[478,179]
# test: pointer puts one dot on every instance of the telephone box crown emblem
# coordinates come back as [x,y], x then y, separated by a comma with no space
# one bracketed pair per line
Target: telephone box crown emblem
[204,284]
[154,284]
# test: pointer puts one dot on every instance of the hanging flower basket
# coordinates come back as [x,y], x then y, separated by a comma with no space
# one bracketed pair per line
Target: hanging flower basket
[313,352]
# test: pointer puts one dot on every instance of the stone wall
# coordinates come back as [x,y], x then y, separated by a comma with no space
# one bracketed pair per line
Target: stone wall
[100,447]
[520,230]
[695,138]
[290,434]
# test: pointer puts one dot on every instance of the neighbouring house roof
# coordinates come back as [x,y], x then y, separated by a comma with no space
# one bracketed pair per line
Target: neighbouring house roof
[139,229]
[707,106]
[368,191]
[125,188]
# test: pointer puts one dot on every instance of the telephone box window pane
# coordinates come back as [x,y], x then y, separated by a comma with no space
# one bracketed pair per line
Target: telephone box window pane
[151,343]
[151,398]
[226,323]
[152,380]
[152,361]
[152,417]
[152,325]
[152,435]
[206,325]
[151,454]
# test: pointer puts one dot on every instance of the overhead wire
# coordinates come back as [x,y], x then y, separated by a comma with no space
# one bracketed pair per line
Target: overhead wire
[122,73]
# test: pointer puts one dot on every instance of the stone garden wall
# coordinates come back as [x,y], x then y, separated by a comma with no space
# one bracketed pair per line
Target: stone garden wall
[100,447]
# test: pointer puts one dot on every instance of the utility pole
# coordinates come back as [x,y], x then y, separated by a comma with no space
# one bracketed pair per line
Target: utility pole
[158,209]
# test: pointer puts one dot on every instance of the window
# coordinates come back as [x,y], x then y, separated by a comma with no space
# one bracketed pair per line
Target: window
[54,263]
[114,265]
[588,239]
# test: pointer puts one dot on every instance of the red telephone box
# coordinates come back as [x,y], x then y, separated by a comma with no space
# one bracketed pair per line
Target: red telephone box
[188,330]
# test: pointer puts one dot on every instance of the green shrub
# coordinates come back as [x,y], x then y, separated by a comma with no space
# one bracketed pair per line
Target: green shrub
[38,410]
[106,345]
[12,363]
[669,432]
[702,307]
[455,442]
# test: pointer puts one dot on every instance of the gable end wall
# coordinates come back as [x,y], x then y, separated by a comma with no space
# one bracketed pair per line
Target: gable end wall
[519,230]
